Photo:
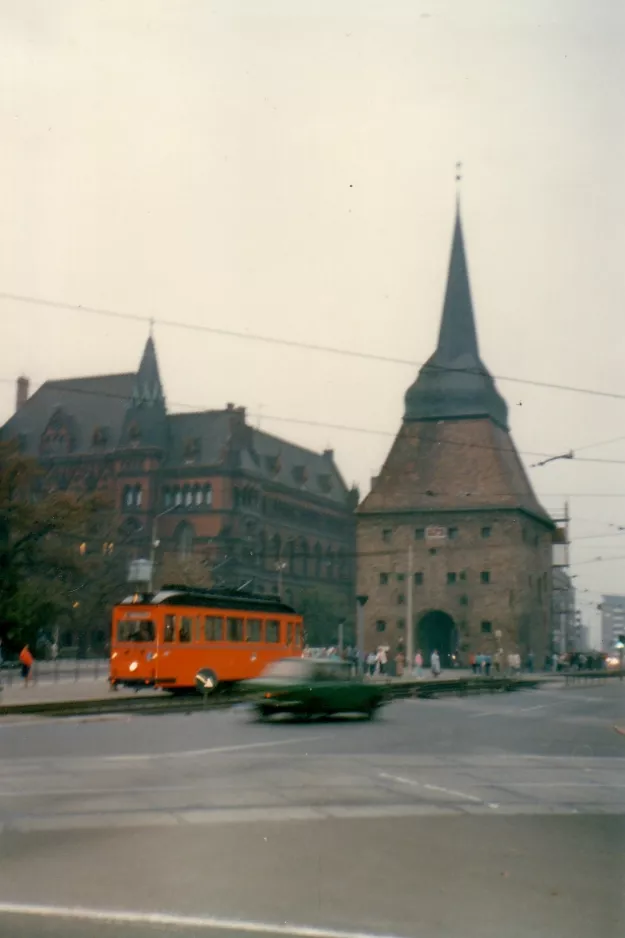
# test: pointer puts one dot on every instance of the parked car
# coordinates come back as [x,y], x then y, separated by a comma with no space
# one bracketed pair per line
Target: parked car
[312,687]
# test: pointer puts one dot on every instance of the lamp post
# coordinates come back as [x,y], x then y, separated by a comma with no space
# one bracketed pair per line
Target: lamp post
[361,602]
[154,542]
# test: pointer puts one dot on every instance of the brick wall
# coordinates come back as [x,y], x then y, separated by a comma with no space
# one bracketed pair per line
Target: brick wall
[516,555]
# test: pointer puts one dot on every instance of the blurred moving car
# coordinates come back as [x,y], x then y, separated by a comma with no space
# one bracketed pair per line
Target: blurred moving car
[312,687]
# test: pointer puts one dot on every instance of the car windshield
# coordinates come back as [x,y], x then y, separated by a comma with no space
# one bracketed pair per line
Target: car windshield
[289,667]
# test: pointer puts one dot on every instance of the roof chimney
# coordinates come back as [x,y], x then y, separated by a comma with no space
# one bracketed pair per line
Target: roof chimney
[21,394]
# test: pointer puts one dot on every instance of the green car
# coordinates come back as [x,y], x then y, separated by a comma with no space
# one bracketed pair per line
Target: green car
[311,686]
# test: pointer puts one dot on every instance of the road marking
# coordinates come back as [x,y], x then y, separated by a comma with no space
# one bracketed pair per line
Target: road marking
[191,753]
[506,712]
[208,922]
[415,784]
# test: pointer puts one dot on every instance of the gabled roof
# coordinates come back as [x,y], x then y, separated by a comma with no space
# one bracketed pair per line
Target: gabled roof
[454,382]
[90,403]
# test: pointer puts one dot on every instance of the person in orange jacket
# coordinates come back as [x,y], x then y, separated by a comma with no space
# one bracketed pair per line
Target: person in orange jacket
[26,660]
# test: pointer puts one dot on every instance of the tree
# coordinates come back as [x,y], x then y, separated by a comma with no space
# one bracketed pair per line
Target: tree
[323,609]
[43,537]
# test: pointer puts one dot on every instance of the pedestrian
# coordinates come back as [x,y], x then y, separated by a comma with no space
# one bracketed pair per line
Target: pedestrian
[487,664]
[382,660]
[473,662]
[554,662]
[530,662]
[418,665]
[26,661]
[372,660]
[435,663]
[399,663]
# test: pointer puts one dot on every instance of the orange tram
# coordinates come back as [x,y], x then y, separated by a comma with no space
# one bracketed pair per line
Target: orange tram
[164,640]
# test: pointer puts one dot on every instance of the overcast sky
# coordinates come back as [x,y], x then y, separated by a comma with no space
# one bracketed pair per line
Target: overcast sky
[287,169]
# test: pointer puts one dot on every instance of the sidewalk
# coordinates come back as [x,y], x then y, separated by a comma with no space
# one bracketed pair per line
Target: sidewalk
[44,692]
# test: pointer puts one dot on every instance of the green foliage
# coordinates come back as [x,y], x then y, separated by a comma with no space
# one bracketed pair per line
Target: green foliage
[323,608]
[46,568]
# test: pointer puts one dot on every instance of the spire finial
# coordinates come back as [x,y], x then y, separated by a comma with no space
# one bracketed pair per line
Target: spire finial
[458,178]
[151,327]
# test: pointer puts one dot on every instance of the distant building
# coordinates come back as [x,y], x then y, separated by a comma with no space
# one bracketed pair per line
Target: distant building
[564,622]
[227,503]
[453,491]
[612,620]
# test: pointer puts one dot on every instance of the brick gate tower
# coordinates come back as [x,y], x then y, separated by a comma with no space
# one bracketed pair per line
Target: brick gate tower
[452,515]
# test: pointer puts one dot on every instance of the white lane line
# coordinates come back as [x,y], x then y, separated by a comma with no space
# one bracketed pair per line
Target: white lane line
[507,712]
[208,922]
[192,753]
[447,791]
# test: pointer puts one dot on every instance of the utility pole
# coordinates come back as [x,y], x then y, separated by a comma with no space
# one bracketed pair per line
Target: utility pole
[154,542]
[409,636]
[361,602]
[280,567]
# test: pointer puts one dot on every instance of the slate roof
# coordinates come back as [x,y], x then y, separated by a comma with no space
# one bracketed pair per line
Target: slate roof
[90,403]
[455,382]
[113,402]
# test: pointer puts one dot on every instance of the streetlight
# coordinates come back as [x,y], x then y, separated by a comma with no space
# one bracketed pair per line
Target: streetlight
[154,543]
[361,602]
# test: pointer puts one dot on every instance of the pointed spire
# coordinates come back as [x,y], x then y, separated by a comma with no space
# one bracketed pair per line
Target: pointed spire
[147,388]
[455,383]
[457,336]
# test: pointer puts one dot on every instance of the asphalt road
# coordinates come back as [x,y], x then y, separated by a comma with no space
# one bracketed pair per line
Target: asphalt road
[498,815]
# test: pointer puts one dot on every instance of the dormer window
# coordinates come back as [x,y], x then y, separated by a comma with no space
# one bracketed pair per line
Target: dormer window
[325,482]
[300,475]
[134,433]
[192,448]
[100,436]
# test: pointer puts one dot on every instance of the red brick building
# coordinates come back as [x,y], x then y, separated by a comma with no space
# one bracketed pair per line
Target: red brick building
[453,495]
[227,503]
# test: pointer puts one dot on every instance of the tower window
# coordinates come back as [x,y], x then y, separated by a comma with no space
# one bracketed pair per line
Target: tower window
[485,576]
[380,625]
[451,578]
[387,534]
[463,574]
[419,534]
[418,579]
[486,531]
[452,533]
[383,579]
[401,577]
[486,628]
[401,599]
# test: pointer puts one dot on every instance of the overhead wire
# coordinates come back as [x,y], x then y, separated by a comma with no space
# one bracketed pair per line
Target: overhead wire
[64,385]
[289,343]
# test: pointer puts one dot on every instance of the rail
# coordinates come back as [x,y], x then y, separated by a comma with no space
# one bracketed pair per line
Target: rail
[586,677]
[164,703]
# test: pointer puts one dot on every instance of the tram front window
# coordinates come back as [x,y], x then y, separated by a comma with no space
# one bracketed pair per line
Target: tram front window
[135,630]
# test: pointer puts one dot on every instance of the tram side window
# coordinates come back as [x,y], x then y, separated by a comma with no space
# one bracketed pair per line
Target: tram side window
[185,629]
[133,630]
[235,630]
[254,631]
[290,633]
[272,630]
[299,637]
[170,629]
[213,629]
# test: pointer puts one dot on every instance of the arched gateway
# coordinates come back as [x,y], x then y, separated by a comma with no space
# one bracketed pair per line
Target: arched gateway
[436,630]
